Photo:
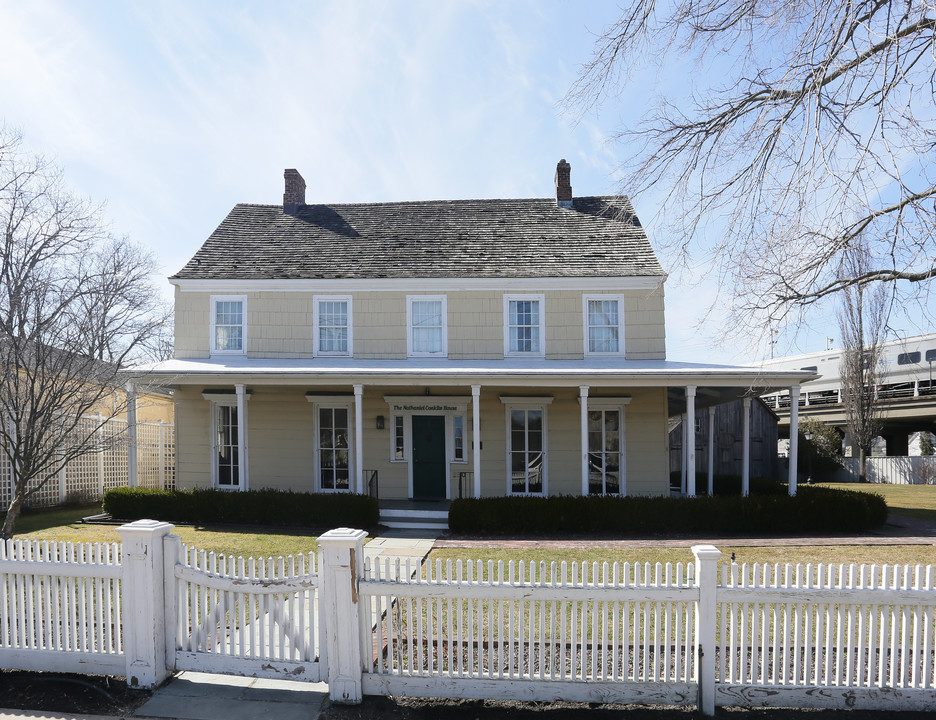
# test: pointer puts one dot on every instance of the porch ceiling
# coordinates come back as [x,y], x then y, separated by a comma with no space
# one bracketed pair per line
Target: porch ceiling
[715,383]
[708,396]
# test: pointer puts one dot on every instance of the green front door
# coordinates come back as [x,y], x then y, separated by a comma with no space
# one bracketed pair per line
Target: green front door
[428,457]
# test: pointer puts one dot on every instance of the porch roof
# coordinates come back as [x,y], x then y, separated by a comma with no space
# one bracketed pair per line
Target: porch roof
[716,383]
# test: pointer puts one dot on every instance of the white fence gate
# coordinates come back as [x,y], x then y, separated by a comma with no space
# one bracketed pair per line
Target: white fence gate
[256,617]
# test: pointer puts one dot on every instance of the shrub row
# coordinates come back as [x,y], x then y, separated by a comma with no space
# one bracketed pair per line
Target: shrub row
[255,507]
[813,510]
[724,484]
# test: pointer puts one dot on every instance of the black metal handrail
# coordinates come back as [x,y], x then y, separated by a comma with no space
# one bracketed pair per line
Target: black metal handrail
[371,481]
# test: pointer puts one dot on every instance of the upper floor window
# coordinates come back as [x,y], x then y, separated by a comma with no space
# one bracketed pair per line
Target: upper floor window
[426,326]
[524,329]
[228,324]
[332,320]
[604,324]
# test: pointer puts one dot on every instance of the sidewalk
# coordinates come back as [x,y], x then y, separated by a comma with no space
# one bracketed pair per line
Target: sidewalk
[202,696]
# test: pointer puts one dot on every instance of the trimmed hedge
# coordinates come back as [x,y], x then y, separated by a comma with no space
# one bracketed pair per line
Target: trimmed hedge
[813,510]
[255,507]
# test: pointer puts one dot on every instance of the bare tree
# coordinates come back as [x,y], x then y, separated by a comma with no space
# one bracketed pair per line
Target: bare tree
[862,321]
[813,127]
[77,308]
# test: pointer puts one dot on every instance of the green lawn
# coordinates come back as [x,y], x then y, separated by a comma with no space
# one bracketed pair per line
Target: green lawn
[65,525]
[913,500]
[918,501]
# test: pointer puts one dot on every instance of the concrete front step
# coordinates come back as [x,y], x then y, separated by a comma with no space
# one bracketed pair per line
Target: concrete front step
[414,519]
[409,525]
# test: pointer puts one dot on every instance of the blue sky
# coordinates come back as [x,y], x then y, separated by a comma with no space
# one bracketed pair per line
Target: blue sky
[174,111]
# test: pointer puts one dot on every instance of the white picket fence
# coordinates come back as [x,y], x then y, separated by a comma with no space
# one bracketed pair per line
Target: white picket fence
[895,470]
[87,478]
[820,635]
[776,635]
[860,637]
[575,631]
[60,607]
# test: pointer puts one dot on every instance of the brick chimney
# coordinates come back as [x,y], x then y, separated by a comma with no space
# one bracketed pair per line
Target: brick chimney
[294,196]
[564,184]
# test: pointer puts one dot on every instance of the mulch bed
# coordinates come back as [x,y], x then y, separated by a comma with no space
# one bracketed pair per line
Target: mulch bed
[384,708]
[69,693]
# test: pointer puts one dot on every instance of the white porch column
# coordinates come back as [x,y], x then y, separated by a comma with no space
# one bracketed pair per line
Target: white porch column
[690,438]
[746,448]
[711,451]
[242,460]
[359,438]
[794,436]
[583,402]
[476,437]
[682,459]
[131,435]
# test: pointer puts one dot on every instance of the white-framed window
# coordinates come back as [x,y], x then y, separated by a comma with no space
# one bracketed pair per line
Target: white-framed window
[458,438]
[527,457]
[333,429]
[426,326]
[604,451]
[226,470]
[398,440]
[604,324]
[524,325]
[607,456]
[332,317]
[225,451]
[228,324]
[333,448]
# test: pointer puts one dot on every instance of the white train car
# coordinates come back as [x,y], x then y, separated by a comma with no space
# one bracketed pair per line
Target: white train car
[906,368]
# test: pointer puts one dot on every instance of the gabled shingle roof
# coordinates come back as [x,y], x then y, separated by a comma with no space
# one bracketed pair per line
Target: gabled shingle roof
[598,237]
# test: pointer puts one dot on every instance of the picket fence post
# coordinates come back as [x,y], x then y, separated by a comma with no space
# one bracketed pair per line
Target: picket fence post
[142,591]
[706,580]
[341,563]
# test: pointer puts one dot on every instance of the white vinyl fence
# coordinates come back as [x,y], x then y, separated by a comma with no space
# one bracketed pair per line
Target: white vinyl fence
[834,636]
[87,478]
[896,470]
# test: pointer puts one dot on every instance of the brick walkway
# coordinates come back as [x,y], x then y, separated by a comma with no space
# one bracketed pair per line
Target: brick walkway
[899,530]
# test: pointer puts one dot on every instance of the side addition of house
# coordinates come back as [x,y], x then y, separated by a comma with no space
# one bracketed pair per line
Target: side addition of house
[431,350]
